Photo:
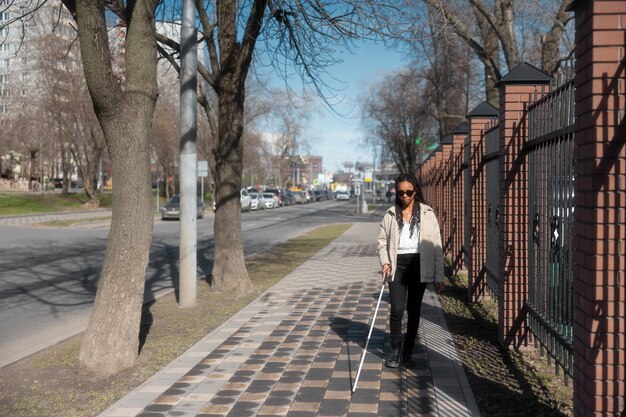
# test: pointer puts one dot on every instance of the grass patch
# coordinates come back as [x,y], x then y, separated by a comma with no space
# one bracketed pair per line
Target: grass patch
[52,382]
[15,204]
[72,222]
[505,382]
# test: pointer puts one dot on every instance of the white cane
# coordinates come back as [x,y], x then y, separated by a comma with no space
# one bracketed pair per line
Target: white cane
[380,297]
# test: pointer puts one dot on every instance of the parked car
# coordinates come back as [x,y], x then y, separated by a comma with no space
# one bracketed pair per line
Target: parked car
[284,196]
[320,195]
[342,195]
[300,197]
[257,201]
[58,182]
[244,197]
[246,201]
[171,209]
[288,198]
[271,200]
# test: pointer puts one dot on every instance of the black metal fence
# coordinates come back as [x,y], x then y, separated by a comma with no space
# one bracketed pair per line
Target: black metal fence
[491,158]
[467,207]
[550,148]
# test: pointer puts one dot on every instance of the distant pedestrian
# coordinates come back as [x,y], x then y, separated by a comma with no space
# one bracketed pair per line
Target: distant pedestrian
[388,195]
[409,249]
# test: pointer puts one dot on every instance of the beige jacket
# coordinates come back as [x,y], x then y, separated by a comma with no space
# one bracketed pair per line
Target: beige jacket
[431,254]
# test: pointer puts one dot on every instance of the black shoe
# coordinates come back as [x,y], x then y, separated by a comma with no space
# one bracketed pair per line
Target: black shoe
[393,360]
[407,361]
[407,352]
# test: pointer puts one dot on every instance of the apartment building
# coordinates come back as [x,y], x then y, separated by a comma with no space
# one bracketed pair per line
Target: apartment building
[28,35]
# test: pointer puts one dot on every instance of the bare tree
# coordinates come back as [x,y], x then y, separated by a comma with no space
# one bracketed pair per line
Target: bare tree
[296,37]
[286,140]
[50,107]
[124,108]
[165,131]
[443,61]
[493,30]
[87,144]
[397,115]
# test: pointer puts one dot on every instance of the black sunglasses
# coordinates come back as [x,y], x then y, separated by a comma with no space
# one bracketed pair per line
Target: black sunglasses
[409,193]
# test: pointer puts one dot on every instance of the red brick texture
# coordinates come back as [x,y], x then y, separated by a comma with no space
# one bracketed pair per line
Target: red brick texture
[438,180]
[600,229]
[477,279]
[513,264]
[426,179]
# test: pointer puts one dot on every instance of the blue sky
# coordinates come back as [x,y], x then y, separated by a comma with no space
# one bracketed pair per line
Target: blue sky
[335,138]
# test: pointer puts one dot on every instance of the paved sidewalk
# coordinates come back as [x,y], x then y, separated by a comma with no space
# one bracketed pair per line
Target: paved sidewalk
[295,352]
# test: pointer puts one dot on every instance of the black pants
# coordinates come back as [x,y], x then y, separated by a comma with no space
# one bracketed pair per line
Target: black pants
[406,291]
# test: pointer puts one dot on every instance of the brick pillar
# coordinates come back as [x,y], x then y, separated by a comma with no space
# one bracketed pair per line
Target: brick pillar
[437,198]
[458,138]
[480,118]
[516,90]
[445,217]
[426,171]
[599,240]
[419,174]
[429,178]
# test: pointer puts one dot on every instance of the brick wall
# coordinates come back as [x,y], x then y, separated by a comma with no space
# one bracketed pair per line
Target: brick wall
[600,209]
[515,92]
[476,271]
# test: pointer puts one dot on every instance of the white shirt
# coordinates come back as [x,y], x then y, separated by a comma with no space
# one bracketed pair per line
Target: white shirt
[409,244]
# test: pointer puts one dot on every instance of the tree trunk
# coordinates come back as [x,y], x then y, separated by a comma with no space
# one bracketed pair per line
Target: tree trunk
[229,269]
[550,54]
[111,341]
[492,56]
[491,90]
[90,176]
[66,167]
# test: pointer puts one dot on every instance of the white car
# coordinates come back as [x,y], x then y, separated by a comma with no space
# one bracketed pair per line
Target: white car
[342,195]
[246,201]
[244,197]
[271,200]
[257,201]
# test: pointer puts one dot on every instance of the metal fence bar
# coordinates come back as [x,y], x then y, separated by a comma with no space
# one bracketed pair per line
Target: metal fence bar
[491,158]
[467,207]
[551,200]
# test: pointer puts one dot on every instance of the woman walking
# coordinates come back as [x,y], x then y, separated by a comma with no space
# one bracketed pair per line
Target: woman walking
[409,249]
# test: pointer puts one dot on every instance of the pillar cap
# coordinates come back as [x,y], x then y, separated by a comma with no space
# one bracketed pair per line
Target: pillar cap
[461,129]
[446,140]
[484,109]
[525,73]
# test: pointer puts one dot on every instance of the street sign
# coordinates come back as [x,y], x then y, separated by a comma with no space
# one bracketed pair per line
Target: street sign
[203,168]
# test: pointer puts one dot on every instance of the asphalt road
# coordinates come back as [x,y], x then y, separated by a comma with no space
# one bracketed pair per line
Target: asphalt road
[48,276]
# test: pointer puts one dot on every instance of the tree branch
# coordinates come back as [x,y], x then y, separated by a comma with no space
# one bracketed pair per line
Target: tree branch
[251,33]
[202,70]
[464,33]
[209,39]
[106,93]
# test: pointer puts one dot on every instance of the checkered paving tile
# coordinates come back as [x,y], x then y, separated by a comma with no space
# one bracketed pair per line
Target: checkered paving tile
[295,352]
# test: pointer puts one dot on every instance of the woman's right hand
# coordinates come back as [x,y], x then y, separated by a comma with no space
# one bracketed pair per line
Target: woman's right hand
[386,272]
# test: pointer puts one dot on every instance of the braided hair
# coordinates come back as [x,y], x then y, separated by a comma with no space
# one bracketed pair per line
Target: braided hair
[417,198]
